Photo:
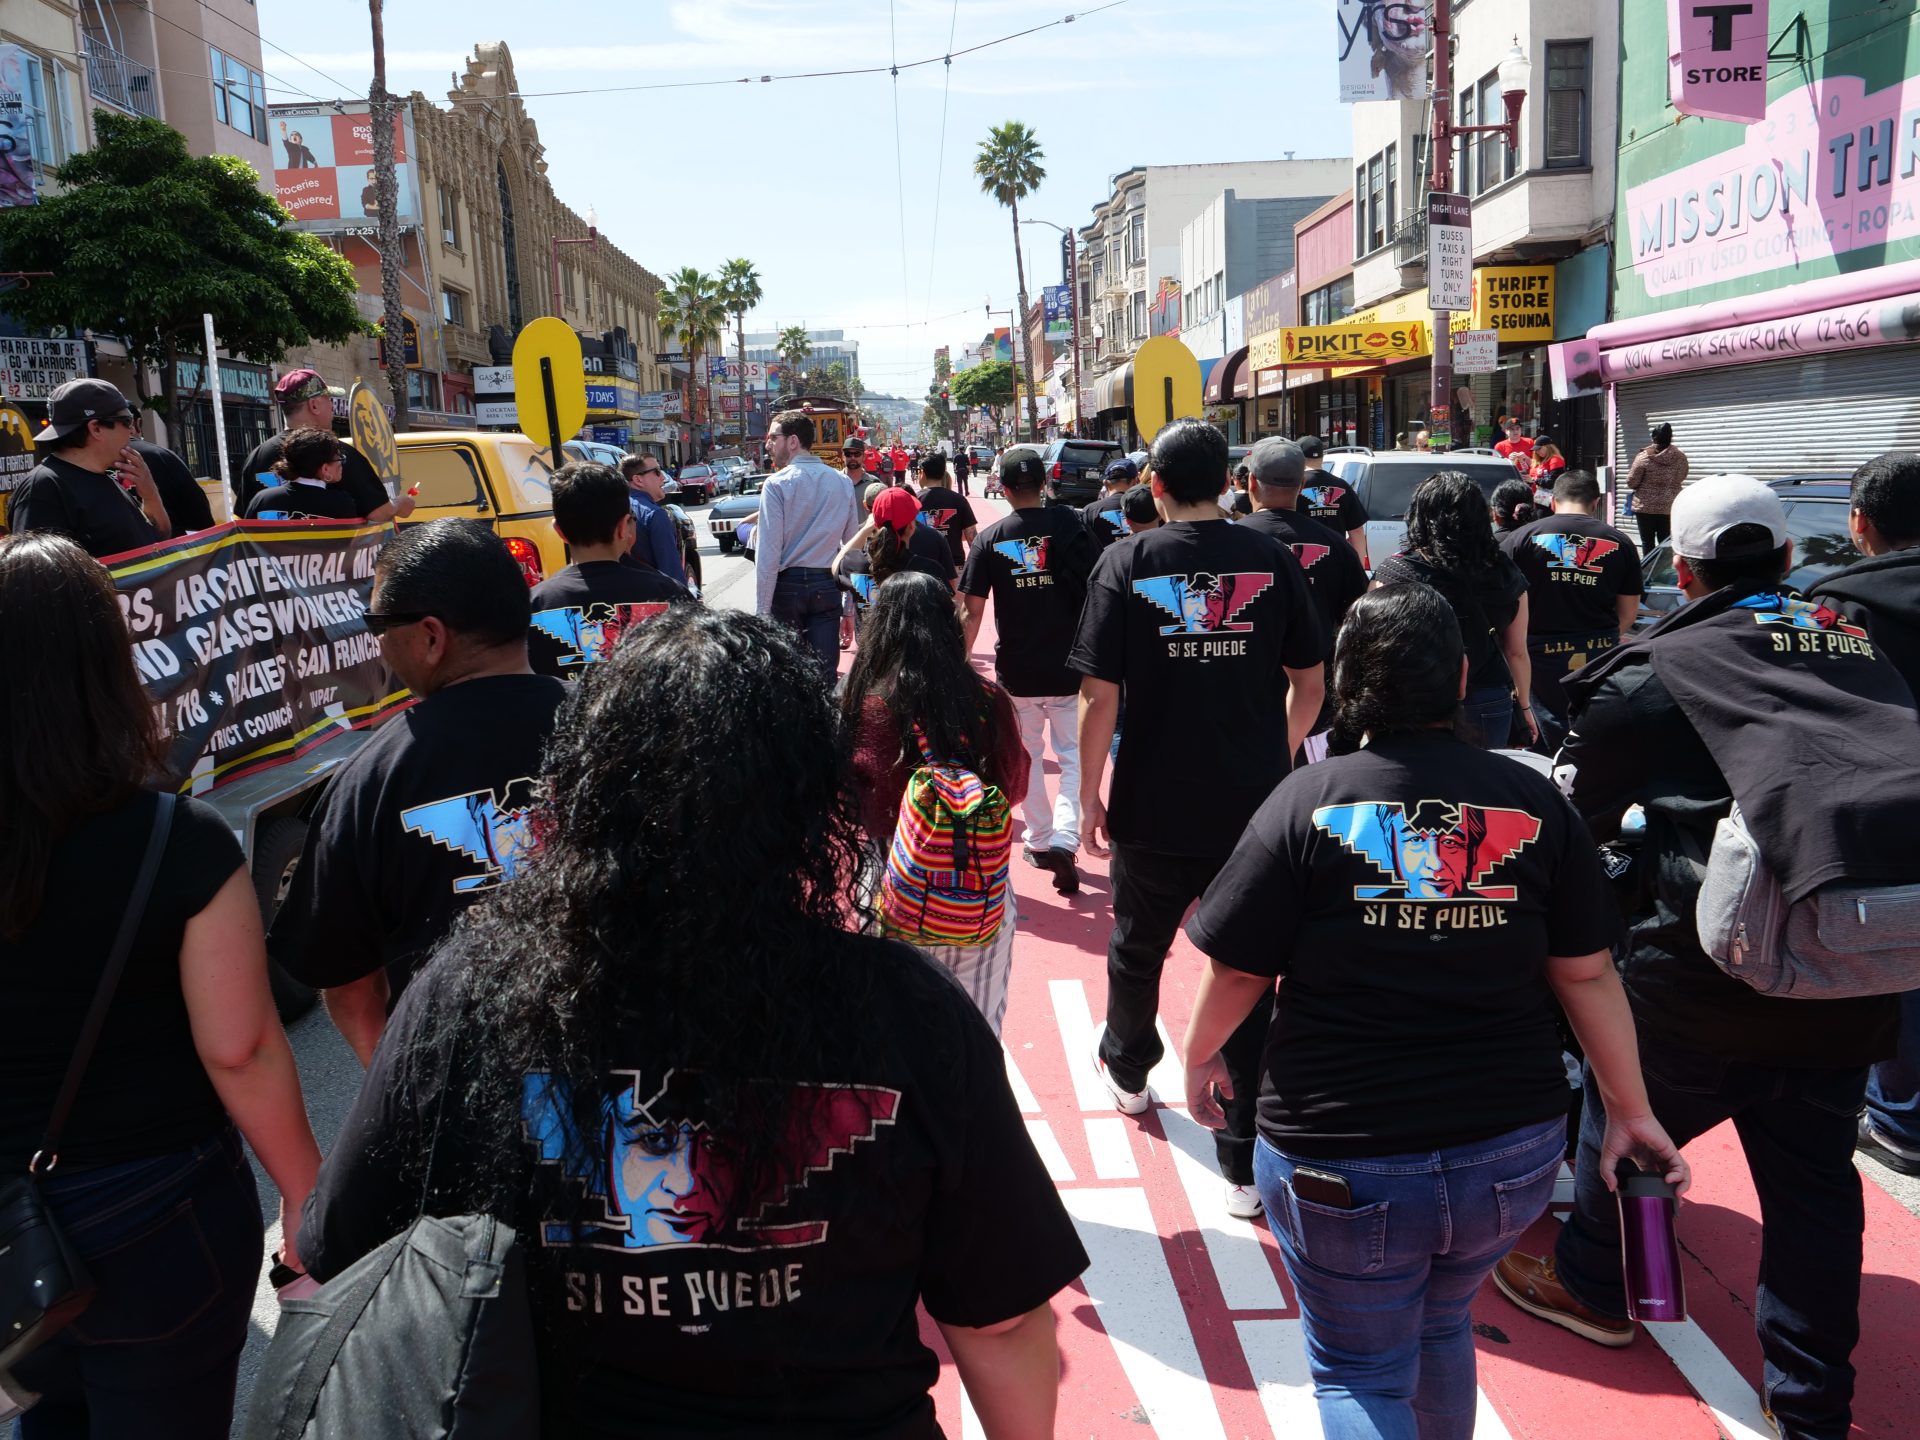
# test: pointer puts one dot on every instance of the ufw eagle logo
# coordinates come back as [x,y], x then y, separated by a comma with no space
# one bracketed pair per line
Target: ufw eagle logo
[1029,555]
[590,634]
[1575,552]
[498,834]
[1799,614]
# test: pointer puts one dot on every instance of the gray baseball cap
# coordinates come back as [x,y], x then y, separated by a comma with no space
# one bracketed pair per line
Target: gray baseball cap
[73,404]
[1275,461]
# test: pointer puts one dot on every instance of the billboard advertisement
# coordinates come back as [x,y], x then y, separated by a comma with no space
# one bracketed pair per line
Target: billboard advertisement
[323,166]
[19,180]
[1003,344]
[1058,300]
[1382,50]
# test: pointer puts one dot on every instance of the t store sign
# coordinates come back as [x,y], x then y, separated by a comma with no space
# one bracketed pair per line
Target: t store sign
[1717,58]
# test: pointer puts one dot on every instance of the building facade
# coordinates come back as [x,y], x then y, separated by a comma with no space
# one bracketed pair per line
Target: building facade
[829,348]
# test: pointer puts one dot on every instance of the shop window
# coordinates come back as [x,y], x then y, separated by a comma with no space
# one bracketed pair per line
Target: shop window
[239,96]
[423,390]
[1569,63]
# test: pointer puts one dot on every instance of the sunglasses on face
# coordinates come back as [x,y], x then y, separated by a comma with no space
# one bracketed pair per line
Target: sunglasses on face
[379,623]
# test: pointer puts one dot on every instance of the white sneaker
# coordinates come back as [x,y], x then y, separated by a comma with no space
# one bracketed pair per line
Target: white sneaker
[1127,1102]
[1244,1202]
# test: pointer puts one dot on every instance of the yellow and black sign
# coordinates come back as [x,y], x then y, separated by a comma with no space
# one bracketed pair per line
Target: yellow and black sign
[1516,300]
[1166,384]
[16,454]
[549,382]
[1352,344]
[372,433]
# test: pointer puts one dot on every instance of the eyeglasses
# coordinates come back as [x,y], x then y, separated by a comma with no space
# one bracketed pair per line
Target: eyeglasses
[114,420]
[643,474]
[379,623]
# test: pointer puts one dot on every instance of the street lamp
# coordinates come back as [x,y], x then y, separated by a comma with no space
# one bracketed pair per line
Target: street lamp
[1515,72]
[553,251]
[1073,290]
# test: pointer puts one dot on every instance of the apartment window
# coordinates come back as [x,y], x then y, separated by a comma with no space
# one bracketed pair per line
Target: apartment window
[1376,184]
[449,217]
[1568,66]
[239,96]
[1138,330]
[1329,305]
[453,307]
[1137,239]
[1486,159]
[566,282]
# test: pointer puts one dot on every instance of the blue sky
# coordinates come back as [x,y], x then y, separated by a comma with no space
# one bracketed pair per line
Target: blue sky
[801,176]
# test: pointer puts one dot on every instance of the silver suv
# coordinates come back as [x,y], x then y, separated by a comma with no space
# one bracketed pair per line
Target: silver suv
[1386,479]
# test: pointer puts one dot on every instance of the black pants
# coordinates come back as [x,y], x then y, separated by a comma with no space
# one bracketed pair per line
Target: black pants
[1151,893]
[1653,529]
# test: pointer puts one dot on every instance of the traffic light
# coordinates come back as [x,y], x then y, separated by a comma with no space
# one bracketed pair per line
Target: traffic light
[945,398]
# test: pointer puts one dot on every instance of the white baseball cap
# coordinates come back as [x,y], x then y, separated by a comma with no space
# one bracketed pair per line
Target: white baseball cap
[1709,507]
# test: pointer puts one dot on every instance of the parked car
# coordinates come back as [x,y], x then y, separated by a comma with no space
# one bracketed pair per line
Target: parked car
[698,482]
[981,456]
[497,476]
[593,450]
[1816,506]
[1075,467]
[723,520]
[1385,481]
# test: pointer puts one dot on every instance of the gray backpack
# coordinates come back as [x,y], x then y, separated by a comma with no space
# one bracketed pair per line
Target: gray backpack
[1841,941]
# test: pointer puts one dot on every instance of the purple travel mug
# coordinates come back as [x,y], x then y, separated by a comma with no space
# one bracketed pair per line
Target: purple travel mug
[1650,1255]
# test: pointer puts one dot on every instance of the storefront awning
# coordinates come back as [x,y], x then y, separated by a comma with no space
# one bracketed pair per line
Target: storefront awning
[1114,390]
[1228,382]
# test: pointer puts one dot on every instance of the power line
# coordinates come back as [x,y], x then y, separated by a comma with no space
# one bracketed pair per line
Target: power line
[825,74]
[899,165]
[940,164]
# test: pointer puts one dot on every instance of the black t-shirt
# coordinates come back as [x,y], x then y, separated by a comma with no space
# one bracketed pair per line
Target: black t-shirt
[580,613]
[1035,563]
[667,1320]
[87,507]
[927,555]
[1199,620]
[304,500]
[145,1092]
[1239,502]
[951,513]
[356,476]
[1576,566]
[186,502]
[1106,520]
[1484,606]
[928,544]
[430,815]
[1335,576]
[1410,895]
[1328,499]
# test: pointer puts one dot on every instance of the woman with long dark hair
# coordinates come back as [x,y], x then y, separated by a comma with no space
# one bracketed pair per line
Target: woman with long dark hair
[913,694]
[1422,904]
[1451,546]
[741,1143]
[149,1184]
[1512,506]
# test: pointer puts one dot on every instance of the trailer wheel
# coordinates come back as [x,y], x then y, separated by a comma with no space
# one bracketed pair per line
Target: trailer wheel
[276,851]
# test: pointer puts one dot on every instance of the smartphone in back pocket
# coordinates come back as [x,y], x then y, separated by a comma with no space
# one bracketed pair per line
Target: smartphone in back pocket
[1318,1187]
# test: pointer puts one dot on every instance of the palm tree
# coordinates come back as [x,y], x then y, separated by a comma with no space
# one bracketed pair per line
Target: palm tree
[691,310]
[795,346]
[740,292]
[1008,168]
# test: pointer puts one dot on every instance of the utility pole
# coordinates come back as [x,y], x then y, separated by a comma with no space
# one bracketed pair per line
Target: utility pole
[393,326]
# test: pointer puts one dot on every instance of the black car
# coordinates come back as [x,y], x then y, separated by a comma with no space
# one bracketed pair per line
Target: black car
[1075,469]
[1816,507]
[723,520]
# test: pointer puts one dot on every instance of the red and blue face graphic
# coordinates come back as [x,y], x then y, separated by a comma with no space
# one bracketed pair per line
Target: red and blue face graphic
[1323,497]
[1205,604]
[1438,852]
[937,519]
[652,1163]
[1029,556]
[589,635]
[498,834]
[1798,614]
[1309,555]
[1575,552]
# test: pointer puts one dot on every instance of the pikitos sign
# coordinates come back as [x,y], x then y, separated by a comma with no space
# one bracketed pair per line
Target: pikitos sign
[1717,58]
[1348,344]
[1831,169]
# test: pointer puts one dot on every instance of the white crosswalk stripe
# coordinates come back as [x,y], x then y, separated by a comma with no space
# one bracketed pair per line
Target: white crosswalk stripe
[1112,1151]
[1047,1145]
[1022,1092]
[1239,1262]
[1077,1035]
[1714,1379]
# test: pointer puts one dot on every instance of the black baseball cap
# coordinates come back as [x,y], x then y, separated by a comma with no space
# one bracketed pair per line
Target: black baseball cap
[73,404]
[1023,469]
[854,446]
[1312,446]
[1122,469]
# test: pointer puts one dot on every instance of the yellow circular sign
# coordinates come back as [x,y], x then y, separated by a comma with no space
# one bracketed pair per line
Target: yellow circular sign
[16,454]
[372,433]
[1166,385]
[548,348]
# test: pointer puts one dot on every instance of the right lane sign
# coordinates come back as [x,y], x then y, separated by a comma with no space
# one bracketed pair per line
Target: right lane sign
[1449,251]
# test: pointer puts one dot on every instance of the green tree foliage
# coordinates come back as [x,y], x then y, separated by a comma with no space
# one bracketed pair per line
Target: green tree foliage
[794,347]
[1008,168]
[989,384]
[692,312]
[144,238]
[740,292]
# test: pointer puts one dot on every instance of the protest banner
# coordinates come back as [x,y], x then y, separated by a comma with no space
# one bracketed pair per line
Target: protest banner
[251,643]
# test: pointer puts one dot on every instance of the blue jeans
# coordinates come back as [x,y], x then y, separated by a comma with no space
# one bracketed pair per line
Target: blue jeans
[1385,1288]
[1490,708]
[809,601]
[174,1246]
[1797,1128]
[1893,1089]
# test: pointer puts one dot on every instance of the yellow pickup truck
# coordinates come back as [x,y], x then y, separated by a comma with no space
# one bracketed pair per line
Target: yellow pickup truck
[500,477]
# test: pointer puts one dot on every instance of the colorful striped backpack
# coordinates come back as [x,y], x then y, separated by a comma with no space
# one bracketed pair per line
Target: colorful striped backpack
[946,876]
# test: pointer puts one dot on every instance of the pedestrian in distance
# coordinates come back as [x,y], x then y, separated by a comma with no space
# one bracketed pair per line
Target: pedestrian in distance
[1328,499]
[742,1146]
[1656,477]
[1513,506]
[1724,702]
[1882,593]
[656,540]
[148,1181]
[309,485]
[1033,564]
[1141,511]
[1412,1110]
[1106,518]
[305,400]
[962,469]
[946,510]
[1513,442]
[582,610]
[437,809]
[912,694]
[808,510]
[92,487]
[1450,546]
[1209,628]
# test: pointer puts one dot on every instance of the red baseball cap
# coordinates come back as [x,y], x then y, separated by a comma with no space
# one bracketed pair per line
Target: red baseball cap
[897,508]
[297,386]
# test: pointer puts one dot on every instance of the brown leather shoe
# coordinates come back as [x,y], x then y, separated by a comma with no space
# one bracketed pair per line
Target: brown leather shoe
[1530,1282]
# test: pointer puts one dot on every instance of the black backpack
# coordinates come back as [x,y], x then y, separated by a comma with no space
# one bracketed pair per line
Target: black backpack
[430,1335]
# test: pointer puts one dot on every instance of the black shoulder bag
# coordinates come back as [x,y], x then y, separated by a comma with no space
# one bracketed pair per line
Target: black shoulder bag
[43,1285]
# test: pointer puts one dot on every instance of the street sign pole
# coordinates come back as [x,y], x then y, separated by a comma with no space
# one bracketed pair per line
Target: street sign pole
[553,407]
[1440,393]
[213,388]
